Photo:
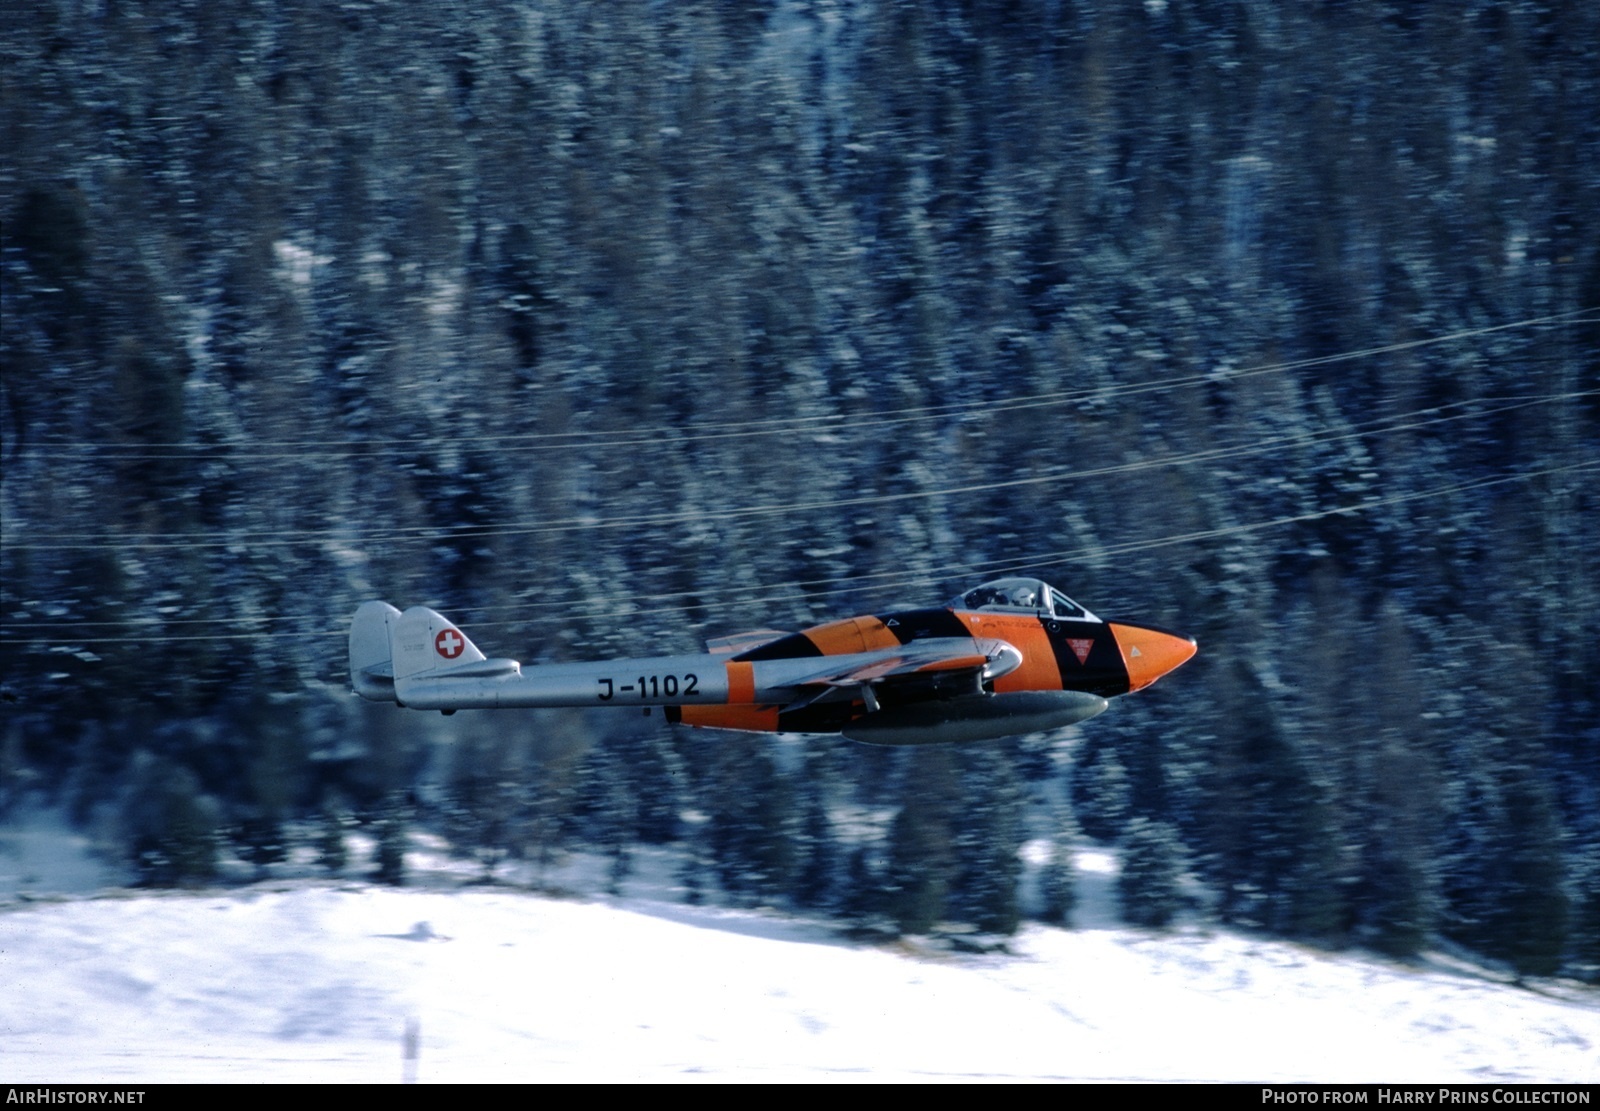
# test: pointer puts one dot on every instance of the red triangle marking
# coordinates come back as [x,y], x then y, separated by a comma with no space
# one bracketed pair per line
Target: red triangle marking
[1080,648]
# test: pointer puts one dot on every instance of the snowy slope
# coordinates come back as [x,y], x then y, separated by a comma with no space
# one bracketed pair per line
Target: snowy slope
[302,980]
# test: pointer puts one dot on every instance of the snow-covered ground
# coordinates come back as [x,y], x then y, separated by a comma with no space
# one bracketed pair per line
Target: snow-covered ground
[310,980]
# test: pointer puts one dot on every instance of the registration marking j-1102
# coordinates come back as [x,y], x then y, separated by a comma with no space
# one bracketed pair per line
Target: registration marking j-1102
[652,686]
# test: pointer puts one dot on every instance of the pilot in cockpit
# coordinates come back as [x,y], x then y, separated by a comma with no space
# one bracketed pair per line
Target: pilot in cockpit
[1022,594]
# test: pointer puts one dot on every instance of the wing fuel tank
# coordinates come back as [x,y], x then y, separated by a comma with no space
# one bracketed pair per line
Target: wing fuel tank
[979,718]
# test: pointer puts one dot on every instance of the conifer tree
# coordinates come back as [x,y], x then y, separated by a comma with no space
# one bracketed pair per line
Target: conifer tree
[1147,886]
[485,803]
[921,860]
[987,840]
[816,879]
[1527,922]
[692,866]
[864,897]
[1058,891]
[275,760]
[1101,793]
[331,851]
[751,833]
[1267,828]
[550,800]
[393,834]
[171,826]
[1394,896]
[656,778]
[1584,954]
[612,813]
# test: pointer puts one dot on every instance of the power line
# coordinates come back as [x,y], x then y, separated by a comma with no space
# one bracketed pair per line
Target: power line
[992,568]
[304,450]
[808,588]
[435,535]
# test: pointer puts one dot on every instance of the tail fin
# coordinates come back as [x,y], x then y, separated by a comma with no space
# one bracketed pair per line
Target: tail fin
[387,645]
[419,659]
[424,641]
[371,666]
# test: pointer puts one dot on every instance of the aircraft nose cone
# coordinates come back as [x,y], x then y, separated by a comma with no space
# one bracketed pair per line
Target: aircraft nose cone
[1151,653]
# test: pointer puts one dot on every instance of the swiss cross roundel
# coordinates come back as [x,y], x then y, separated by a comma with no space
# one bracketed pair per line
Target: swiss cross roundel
[449,644]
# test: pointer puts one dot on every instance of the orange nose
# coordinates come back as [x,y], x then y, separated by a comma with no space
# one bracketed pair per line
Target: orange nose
[1150,653]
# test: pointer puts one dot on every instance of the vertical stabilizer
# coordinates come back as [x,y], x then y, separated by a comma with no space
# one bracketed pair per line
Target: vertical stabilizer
[425,641]
[371,668]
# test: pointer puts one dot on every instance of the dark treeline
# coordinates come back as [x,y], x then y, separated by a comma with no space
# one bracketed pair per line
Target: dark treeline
[607,328]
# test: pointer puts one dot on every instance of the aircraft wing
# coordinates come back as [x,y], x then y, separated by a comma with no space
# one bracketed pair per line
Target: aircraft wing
[941,664]
[742,642]
[898,663]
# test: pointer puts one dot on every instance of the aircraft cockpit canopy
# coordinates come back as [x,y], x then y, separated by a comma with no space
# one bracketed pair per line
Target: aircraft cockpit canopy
[1022,596]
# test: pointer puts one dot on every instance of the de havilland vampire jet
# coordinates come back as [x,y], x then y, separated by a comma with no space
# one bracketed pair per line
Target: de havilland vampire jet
[1011,656]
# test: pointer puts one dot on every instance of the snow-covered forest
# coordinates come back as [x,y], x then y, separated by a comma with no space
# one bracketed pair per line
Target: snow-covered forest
[608,328]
